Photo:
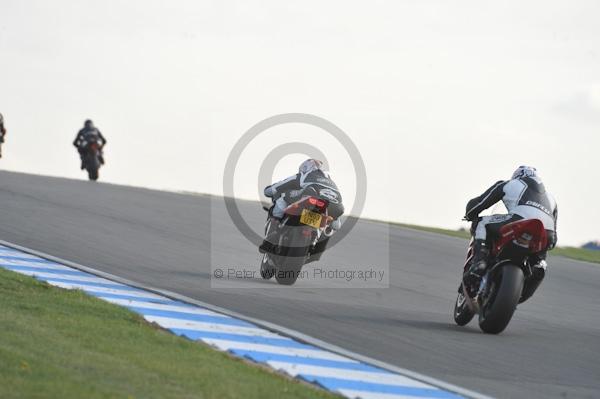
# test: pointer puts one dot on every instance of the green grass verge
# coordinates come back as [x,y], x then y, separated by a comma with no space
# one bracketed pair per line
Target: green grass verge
[587,255]
[57,343]
[583,254]
[454,233]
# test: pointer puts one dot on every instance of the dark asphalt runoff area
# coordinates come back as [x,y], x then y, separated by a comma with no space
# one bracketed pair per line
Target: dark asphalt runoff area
[167,240]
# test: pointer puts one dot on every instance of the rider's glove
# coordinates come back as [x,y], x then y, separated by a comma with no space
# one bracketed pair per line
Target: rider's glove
[333,227]
[336,225]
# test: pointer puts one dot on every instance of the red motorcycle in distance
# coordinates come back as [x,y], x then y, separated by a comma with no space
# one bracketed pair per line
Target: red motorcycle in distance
[501,287]
[92,156]
[300,237]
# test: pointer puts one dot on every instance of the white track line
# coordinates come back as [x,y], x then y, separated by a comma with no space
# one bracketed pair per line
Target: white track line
[37,265]
[376,395]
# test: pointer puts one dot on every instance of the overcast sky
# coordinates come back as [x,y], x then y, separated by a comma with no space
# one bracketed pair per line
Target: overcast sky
[442,98]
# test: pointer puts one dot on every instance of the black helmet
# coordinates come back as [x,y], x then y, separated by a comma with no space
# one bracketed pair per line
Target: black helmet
[88,123]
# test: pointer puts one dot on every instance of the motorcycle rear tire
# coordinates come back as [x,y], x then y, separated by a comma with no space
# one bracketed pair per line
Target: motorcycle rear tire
[287,277]
[495,315]
[92,166]
[289,262]
[93,175]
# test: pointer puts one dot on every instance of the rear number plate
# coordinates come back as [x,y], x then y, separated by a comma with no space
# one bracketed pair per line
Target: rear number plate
[310,218]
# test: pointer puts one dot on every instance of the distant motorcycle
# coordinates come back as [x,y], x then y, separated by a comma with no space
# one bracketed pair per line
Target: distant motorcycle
[301,237]
[91,156]
[2,133]
[502,285]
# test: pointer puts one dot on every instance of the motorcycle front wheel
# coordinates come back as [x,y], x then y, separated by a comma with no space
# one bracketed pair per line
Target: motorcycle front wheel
[266,270]
[462,312]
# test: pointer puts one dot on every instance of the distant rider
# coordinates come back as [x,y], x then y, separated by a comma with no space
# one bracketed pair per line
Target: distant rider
[2,133]
[525,197]
[310,175]
[84,135]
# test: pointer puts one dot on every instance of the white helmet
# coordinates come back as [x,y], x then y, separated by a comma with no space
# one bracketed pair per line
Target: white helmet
[525,171]
[310,165]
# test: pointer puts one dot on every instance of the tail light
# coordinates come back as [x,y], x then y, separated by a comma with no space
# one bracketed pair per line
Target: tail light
[316,202]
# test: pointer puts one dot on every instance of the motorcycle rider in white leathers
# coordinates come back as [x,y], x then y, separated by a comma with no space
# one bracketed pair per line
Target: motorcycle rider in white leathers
[525,197]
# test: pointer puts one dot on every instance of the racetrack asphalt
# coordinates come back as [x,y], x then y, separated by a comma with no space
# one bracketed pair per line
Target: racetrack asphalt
[168,240]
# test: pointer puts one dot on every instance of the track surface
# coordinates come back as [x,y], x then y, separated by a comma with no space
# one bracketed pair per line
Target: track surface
[162,239]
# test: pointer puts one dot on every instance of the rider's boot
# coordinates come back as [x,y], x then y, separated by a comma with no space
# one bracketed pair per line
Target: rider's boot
[473,276]
[267,244]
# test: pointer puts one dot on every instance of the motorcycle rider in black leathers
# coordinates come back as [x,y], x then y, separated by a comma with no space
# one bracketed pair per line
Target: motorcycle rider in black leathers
[310,176]
[525,197]
[83,136]
[2,133]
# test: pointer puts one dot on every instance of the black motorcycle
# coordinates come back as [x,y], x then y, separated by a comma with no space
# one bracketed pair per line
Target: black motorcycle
[502,286]
[299,238]
[2,133]
[92,154]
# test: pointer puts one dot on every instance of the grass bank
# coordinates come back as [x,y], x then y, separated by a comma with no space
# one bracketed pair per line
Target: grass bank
[57,343]
[587,255]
